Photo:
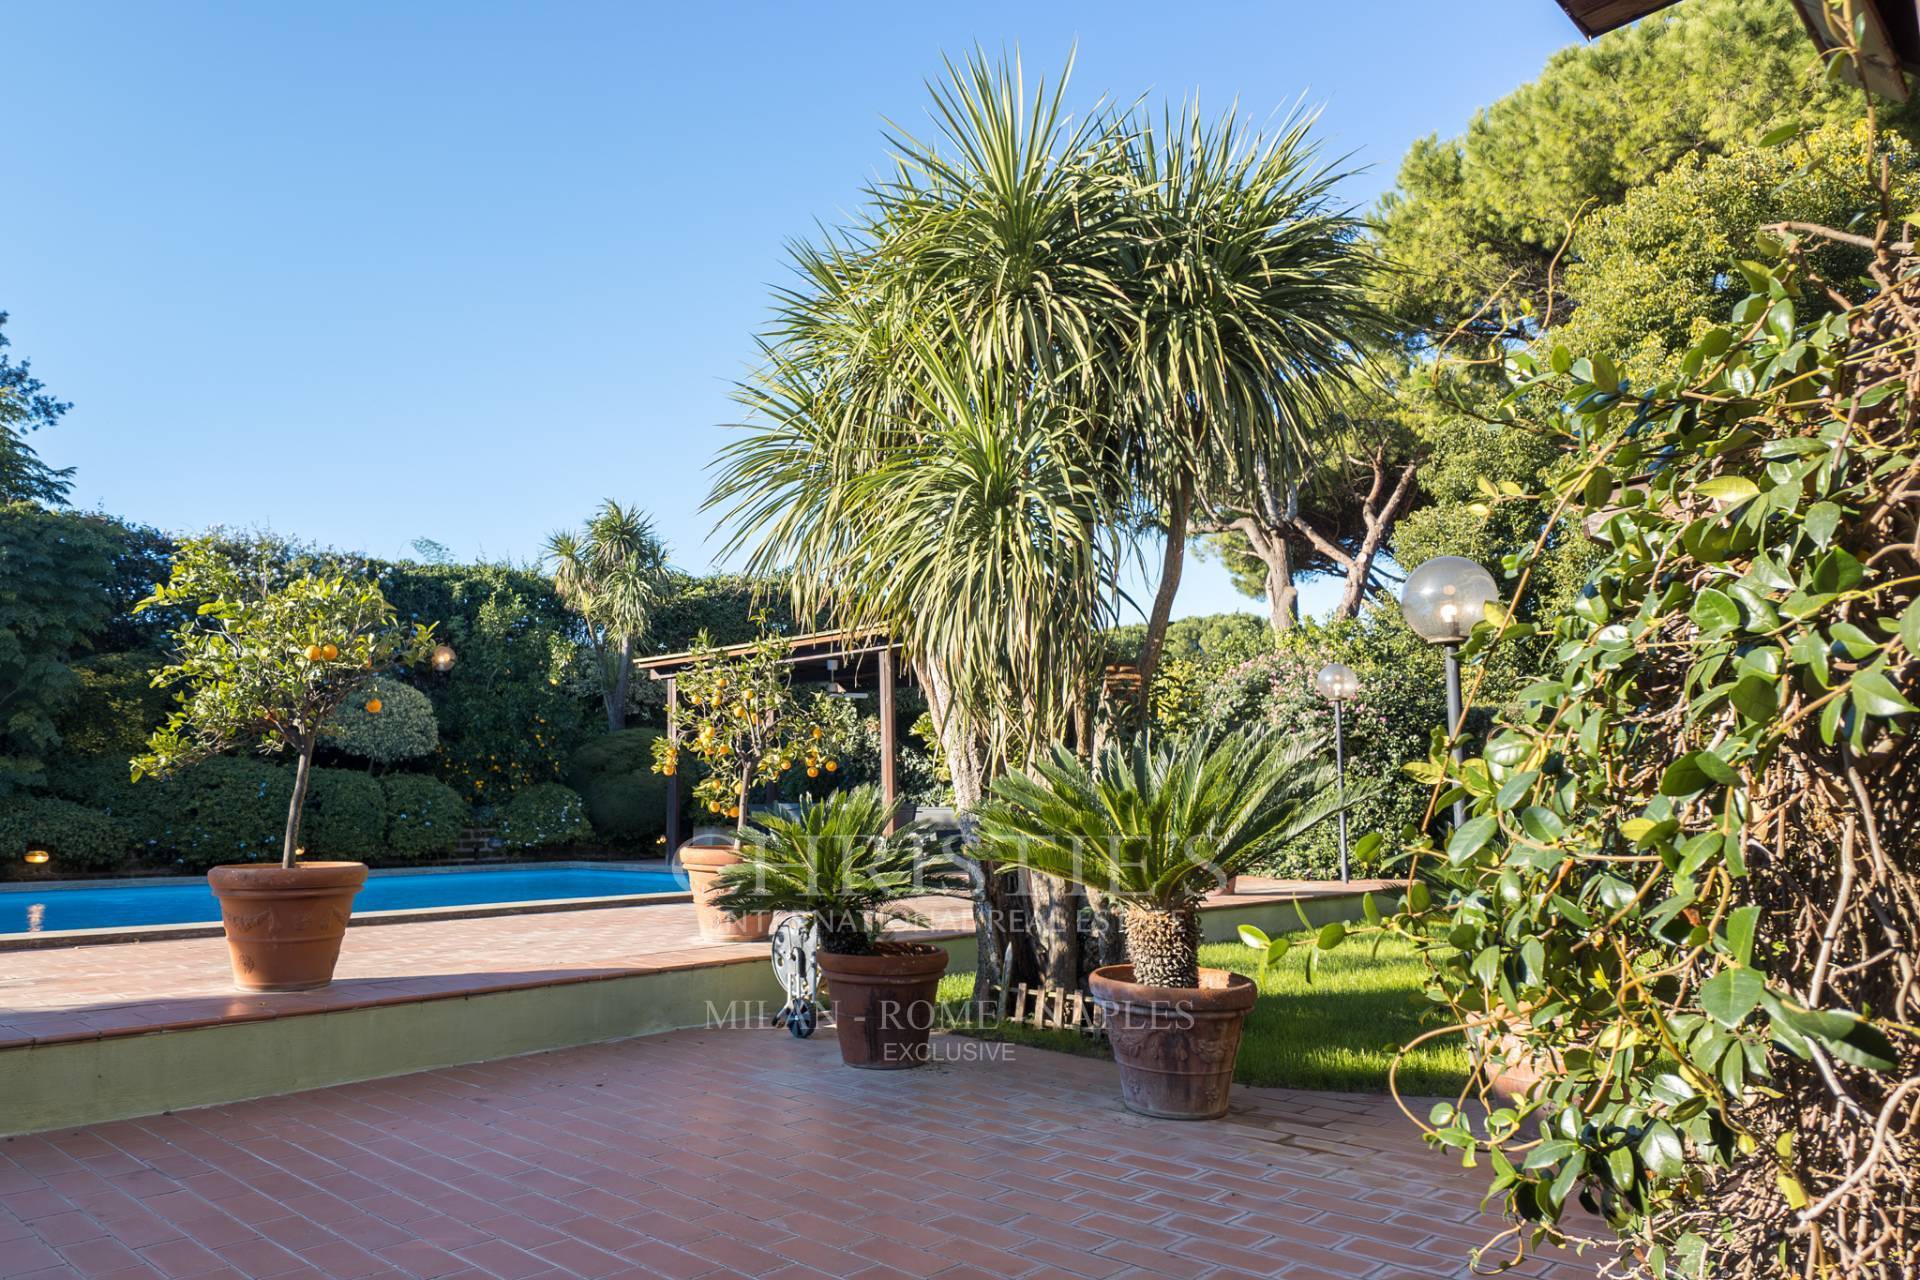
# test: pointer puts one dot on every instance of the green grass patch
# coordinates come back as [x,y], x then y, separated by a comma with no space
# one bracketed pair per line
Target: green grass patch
[1338,1032]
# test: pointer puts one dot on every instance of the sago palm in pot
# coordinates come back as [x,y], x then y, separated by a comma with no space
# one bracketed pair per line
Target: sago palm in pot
[1156,828]
[837,863]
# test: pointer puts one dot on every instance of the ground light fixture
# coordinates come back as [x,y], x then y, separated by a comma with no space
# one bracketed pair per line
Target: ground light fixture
[443,658]
[1443,598]
[1338,684]
[36,856]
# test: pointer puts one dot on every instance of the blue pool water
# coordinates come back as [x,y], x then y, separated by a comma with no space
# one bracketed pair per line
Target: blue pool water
[103,907]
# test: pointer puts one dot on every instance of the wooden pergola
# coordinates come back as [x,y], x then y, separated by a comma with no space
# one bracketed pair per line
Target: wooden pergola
[848,658]
[1889,48]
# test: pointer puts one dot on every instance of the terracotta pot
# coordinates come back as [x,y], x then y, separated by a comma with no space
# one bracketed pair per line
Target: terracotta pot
[1175,1045]
[703,857]
[284,926]
[883,1004]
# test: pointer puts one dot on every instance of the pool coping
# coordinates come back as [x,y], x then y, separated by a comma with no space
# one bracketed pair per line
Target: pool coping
[35,941]
[164,1051]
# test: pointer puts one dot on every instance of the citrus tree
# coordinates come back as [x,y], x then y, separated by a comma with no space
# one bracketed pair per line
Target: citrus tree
[742,723]
[266,656]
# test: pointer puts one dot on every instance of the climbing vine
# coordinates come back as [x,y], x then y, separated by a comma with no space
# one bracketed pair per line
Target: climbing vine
[1682,916]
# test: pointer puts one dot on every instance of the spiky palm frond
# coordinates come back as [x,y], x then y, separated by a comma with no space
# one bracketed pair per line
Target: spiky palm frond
[614,573]
[1158,827]
[981,536]
[836,862]
[1252,294]
[1010,216]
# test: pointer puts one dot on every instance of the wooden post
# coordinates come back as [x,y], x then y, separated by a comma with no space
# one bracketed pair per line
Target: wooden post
[887,748]
[673,779]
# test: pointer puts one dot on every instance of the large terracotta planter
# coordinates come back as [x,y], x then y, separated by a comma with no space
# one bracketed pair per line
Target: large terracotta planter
[883,1004]
[284,926]
[703,858]
[1175,1045]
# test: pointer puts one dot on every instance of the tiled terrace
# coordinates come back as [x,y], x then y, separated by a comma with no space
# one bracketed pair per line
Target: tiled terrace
[59,995]
[720,1154]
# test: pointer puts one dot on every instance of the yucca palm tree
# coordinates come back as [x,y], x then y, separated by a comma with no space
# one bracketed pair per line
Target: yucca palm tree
[1249,295]
[1045,334]
[835,862]
[613,575]
[980,537]
[1157,827]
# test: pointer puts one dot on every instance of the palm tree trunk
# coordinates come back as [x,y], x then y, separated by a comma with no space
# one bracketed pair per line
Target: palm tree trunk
[622,681]
[1172,561]
[966,765]
[296,808]
[1054,905]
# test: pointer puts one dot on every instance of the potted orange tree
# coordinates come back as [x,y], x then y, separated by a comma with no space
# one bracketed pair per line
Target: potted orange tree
[1155,829]
[266,656]
[838,863]
[743,724]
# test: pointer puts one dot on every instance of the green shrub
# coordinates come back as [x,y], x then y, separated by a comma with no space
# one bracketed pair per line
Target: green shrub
[115,705]
[78,838]
[227,809]
[1401,702]
[403,729]
[346,815]
[506,715]
[424,818]
[544,816]
[626,800]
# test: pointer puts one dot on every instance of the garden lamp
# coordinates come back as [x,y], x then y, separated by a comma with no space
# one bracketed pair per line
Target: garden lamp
[36,856]
[1337,684]
[1443,599]
[443,658]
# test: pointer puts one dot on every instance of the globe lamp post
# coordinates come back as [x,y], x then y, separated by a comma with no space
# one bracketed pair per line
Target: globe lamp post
[1442,600]
[1337,684]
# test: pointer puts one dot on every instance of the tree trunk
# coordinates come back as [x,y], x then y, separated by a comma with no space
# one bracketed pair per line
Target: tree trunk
[745,794]
[1171,564]
[296,808]
[622,682]
[1054,906]
[967,766]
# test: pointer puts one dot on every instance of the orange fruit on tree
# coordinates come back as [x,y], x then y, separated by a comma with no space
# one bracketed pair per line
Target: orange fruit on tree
[832,765]
[373,706]
[329,652]
[314,653]
[812,772]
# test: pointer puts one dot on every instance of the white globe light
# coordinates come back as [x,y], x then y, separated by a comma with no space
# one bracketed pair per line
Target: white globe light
[1445,597]
[1336,682]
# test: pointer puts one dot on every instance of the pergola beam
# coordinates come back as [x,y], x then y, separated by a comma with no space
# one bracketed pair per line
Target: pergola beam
[815,649]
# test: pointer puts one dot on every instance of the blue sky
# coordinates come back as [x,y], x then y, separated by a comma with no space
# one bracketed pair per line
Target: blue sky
[368,273]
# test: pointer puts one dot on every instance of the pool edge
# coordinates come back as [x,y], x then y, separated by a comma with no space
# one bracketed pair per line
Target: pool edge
[403,915]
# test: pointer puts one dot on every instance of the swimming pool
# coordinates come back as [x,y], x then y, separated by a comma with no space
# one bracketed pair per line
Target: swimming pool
[28,910]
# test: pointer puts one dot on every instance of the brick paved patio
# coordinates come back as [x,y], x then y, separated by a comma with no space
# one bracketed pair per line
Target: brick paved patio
[57,995]
[741,1153]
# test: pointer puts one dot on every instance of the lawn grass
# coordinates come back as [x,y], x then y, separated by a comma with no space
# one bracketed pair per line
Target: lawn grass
[1338,1032]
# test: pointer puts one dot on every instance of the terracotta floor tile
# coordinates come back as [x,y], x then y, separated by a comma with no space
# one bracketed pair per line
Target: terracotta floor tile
[620,1159]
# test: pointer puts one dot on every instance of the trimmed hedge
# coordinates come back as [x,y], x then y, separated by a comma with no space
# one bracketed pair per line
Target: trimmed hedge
[424,817]
[626,800]
[544,816]
[346,815]
[234,808]
[403,729]
[76,837]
